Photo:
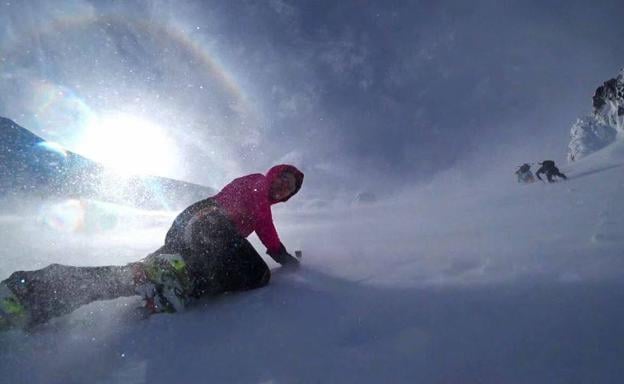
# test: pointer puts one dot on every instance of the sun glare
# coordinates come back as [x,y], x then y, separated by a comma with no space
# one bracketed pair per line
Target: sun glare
[129,145]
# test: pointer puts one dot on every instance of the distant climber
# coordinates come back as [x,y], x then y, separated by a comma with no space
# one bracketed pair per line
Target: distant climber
[548,167]
[524,174]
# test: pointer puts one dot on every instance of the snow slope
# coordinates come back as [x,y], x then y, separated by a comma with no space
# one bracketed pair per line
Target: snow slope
[492,282]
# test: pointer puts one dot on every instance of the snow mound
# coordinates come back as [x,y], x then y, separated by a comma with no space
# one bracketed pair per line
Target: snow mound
[588,135]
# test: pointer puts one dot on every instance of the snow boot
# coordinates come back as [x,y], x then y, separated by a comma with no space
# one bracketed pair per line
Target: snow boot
[162,280]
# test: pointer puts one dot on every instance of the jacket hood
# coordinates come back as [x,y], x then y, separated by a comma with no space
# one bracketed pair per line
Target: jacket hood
[277,171]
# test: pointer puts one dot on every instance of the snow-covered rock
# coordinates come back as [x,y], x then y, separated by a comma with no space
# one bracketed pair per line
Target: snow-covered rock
[589,134]
[596,131]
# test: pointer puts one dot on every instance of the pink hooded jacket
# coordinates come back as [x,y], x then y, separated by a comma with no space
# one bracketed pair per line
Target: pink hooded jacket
[247,203]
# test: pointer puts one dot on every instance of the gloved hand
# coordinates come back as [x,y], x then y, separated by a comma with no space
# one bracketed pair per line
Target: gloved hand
[283,257]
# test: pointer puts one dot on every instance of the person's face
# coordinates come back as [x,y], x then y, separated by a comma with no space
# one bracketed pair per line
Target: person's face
[283,186]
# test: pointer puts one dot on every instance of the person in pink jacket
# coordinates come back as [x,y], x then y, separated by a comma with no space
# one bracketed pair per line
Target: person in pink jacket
[205,253]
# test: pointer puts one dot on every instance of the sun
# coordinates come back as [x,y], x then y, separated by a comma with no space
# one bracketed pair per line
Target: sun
[129,145]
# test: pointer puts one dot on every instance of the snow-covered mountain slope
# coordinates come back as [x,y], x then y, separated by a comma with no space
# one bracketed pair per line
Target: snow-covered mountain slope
[492,283]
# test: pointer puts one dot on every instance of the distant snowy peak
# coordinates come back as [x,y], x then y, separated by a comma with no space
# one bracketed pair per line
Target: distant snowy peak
[30,165]
[601,128]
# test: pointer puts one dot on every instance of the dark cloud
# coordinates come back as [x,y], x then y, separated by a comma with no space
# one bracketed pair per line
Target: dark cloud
[412,87]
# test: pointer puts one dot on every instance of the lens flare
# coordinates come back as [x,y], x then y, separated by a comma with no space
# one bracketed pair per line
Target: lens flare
[67,216]
[94,216]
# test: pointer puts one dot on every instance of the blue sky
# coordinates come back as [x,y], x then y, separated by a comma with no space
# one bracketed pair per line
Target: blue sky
[360,94]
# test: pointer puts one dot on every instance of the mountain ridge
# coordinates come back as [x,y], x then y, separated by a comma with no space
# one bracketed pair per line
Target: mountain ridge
[31,165]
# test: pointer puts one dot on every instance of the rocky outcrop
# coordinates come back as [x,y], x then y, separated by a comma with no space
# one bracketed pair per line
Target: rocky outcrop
[605,124]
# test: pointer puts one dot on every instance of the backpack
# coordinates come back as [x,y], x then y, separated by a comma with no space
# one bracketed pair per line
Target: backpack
[548,164]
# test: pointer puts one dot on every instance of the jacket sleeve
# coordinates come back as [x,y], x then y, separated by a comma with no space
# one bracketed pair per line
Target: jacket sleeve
[265,230]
